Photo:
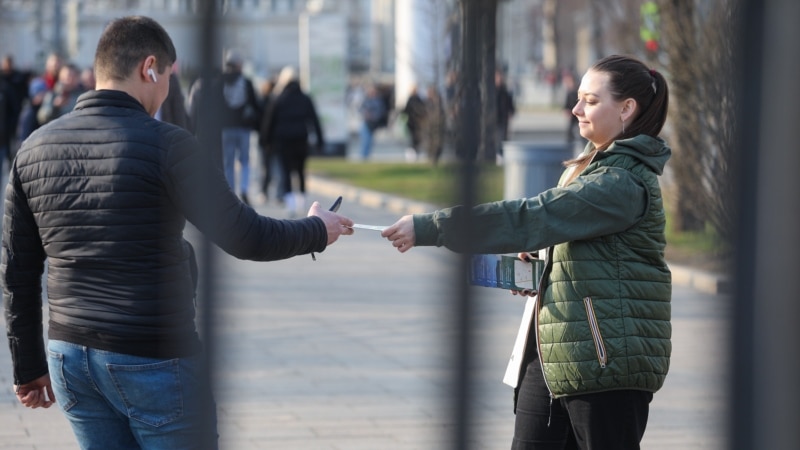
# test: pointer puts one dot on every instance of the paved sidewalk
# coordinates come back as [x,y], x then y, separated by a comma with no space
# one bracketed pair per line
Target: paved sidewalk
[354,352]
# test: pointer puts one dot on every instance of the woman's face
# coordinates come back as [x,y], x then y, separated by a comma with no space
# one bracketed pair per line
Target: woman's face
[599,115]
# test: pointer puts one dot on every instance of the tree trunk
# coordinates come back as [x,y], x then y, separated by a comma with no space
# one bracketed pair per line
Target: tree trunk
[687,102]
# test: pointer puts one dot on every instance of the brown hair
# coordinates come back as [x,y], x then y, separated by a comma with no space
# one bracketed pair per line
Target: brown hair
[630,78]
[126,41]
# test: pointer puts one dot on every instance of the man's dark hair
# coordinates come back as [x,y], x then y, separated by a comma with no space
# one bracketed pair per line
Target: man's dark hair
[126,41]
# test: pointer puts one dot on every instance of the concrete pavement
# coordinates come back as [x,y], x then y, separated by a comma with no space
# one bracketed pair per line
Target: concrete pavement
[354,351]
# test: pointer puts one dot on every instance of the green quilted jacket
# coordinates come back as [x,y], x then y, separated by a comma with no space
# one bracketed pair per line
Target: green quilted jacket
[604,314]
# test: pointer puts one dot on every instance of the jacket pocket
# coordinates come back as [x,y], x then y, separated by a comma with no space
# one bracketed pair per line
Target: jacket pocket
[599,346]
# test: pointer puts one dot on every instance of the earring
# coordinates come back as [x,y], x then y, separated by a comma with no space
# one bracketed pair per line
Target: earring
[623,124]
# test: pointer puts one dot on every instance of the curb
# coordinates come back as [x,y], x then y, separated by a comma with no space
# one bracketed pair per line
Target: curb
[707,282]
[699,280]
[369,198]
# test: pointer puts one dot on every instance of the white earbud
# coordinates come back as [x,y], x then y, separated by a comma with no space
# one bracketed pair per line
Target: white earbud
[152,75]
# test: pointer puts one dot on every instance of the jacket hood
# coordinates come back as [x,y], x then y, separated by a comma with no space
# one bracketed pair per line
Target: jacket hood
[652,151]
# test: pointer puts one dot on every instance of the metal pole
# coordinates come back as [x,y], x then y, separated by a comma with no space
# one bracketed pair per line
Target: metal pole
[207,39]
[468,137]
[766,339]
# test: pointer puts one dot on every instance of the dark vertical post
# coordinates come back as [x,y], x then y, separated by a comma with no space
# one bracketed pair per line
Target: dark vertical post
[742,349]
[207,39]
[766,339]
[468,138]
[488,150]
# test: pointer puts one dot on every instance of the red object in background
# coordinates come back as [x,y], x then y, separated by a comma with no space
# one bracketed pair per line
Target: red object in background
[651,45]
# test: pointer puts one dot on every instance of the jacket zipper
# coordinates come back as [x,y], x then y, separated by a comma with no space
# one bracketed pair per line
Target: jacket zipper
[539,296]
[596,336]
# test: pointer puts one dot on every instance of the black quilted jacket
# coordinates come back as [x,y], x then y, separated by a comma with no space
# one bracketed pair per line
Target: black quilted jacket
[103,194]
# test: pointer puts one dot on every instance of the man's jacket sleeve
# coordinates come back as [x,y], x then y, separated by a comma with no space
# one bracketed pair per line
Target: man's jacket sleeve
[22,267]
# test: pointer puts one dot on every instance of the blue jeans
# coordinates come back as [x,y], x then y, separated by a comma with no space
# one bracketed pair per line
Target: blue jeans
[120,401]
[366,140]
[236,144]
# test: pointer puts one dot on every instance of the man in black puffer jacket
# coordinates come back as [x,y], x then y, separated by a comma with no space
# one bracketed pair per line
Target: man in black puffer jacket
[102,194]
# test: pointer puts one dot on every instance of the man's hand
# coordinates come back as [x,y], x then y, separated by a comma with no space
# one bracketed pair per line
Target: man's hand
[36,394]
[401,234]
[335,224]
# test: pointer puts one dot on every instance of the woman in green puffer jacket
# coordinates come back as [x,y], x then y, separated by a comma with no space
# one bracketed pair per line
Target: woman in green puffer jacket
[599,344]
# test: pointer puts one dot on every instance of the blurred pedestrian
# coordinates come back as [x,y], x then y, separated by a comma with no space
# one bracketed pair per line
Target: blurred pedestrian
[241,116]
[505,111]
[52,68]
[414,112]
[63,97]
[87,78]
[101,198]
[16,82]
[7,121]
[598,344]
[37,90]
[435,124]
[28,121]
[16,79]
[570,98]
[173,110]
[373,111]
[285,128]
[269,160]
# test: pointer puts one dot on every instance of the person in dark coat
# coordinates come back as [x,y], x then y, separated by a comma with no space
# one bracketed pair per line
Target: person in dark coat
[14,88]
[102,196]
[269,160]
[285,128]
[173,110]
[414,111]
[570,98]
[435,127]
[7,120]
[505,111]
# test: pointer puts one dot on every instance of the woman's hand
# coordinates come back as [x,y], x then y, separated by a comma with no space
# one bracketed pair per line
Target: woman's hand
[527,257]
[401,234]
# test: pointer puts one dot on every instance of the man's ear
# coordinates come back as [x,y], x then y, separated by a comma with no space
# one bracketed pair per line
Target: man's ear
[148,64]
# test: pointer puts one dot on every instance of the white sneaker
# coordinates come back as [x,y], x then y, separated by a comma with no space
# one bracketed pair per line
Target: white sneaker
[289,204]
[261,199]
[300,204]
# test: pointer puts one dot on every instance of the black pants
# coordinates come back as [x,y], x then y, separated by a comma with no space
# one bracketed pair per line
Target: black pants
[613,420]
[292,154]
[267,157]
